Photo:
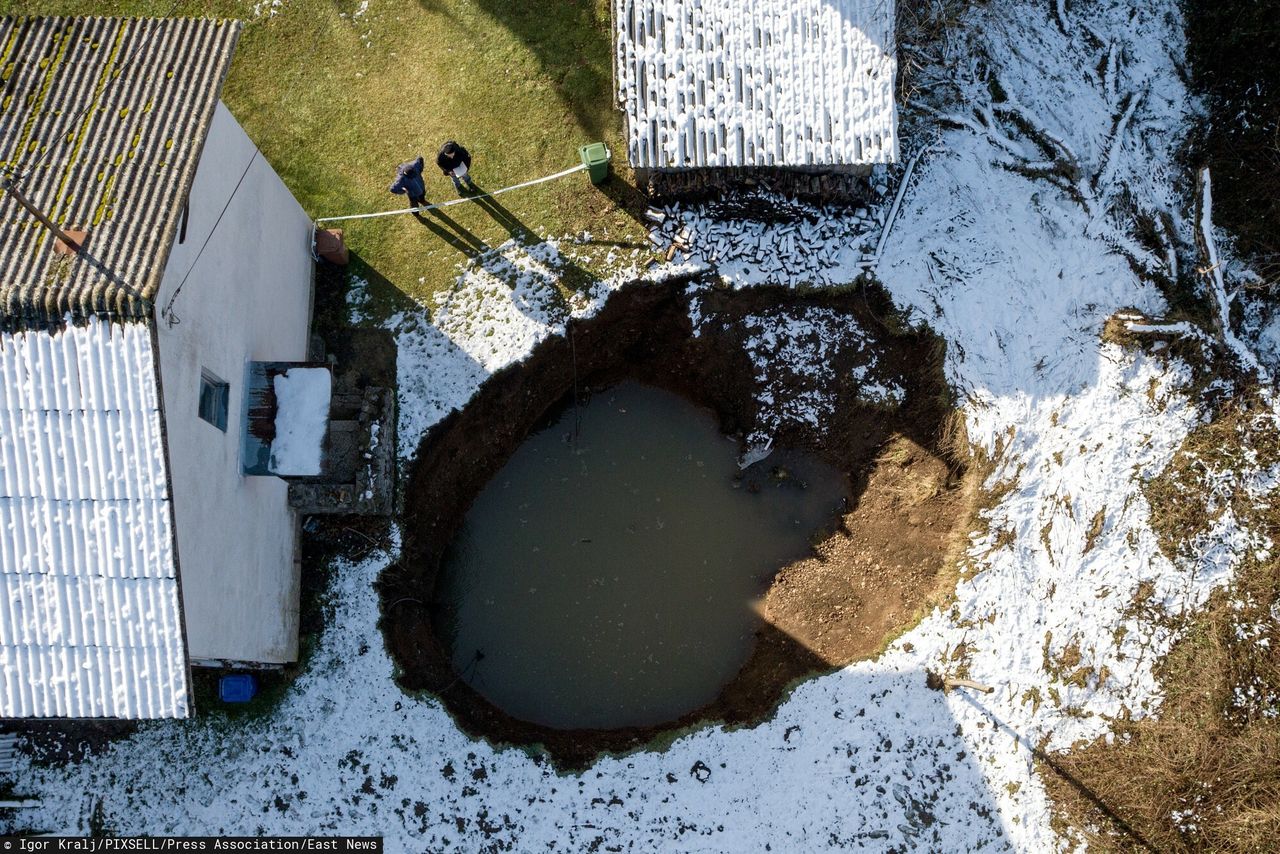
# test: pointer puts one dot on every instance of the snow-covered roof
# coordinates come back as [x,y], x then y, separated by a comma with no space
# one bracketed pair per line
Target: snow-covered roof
[302,420]
[757,82]
[89,603]
[105,119]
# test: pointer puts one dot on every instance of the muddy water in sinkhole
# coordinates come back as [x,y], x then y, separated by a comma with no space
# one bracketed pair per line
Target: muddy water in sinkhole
[606,576]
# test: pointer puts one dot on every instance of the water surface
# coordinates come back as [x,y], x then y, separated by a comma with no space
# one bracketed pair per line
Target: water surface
[605,577]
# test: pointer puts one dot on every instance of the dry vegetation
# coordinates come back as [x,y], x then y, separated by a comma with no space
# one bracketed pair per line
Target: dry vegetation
[1204,774]
[923,28]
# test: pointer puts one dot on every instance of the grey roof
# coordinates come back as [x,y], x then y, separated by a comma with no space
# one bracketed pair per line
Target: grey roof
[108,116]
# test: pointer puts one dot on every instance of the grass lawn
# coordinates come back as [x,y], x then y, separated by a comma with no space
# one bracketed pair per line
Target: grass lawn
[335,97]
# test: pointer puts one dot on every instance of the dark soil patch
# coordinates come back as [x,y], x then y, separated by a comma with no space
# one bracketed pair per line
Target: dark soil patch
[60,742]
[887,562]
[1234,49]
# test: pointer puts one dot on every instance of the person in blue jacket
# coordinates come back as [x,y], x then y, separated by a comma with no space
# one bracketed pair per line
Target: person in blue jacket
[409,181]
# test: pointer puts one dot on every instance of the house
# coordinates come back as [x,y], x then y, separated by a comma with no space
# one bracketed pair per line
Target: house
[802,85]
[144,522]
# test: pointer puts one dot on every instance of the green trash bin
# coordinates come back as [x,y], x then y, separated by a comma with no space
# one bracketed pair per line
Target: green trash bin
[596,158]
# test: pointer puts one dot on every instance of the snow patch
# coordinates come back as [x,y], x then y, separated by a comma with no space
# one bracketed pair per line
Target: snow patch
[791,352]
[266,9]
[359,301]
[814,246]
[302,419]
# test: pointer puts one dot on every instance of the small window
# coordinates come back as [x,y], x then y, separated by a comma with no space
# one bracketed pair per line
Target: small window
[213,400]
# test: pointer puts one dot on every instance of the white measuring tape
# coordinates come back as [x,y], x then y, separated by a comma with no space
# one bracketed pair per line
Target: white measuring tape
[579,168]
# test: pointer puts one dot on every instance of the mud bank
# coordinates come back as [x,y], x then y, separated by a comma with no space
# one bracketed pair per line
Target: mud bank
[887,561]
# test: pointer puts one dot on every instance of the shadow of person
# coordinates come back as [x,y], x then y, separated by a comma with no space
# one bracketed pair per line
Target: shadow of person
[1072,780]
[452,232]
[505,218]
[565,36]
[626,197]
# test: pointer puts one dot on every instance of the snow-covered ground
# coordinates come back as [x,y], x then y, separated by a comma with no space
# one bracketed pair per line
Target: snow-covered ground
[1017,267]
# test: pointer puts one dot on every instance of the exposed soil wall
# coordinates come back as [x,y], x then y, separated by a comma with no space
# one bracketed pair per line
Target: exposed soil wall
[866,581]
[849,186]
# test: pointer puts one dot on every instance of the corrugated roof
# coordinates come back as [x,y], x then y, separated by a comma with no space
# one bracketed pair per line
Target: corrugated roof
[757,82]
[121,168]
[89,601]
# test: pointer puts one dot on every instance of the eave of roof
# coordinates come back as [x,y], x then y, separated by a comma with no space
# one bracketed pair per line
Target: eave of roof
[105,119]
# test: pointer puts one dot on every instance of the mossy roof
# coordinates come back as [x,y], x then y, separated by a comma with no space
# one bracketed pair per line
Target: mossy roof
[103,121]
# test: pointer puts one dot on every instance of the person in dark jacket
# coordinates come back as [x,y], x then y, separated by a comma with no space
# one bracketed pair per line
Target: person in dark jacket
[455,161]
[409,181]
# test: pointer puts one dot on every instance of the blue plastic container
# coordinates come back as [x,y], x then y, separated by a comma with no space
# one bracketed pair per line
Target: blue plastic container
[237,688]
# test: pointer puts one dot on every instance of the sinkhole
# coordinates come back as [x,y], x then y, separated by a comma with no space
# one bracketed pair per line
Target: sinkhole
[586,569]
[609,574]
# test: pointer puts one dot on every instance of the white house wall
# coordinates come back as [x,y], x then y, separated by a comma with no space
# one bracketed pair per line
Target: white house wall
[247,298]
